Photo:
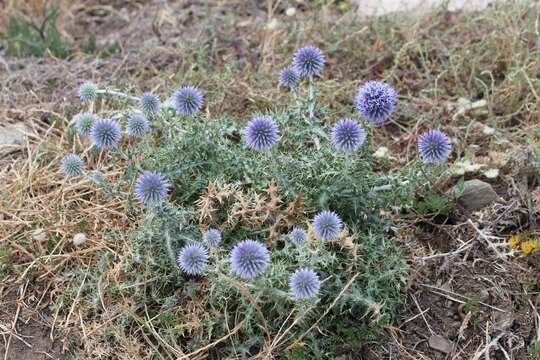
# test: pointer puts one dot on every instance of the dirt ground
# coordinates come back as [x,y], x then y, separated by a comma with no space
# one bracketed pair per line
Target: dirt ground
[468,296]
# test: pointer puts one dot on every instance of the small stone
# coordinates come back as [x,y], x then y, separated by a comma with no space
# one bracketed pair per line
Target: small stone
[79,239]
[475,194]
[39,235]
[503,321]
[381,153]
[272,24]
[440,343]
[488,130]
[290,11]
[491,173]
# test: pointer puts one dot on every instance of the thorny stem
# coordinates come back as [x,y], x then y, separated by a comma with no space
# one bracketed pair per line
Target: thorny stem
[311,100]
[117,93]
[168,245]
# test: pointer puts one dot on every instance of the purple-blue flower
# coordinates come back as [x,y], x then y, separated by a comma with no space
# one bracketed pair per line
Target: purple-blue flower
[72,165]
[212,237]
[309,61]
[88,91]
[137,125]
[192,259]
[434,146]
[348,135]
[304,284]
[261,133]
[84,122]
[105,133]
[149,103]
[151,188]
[298,236]
[249,259]
[289,77]
[326,225]
[375,101]
[188,100]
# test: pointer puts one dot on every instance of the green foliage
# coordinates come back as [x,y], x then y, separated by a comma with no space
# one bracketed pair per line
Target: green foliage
[533,350]
[25,37]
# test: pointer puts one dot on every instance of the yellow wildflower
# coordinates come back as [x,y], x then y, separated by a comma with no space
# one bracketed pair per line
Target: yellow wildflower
[530,246]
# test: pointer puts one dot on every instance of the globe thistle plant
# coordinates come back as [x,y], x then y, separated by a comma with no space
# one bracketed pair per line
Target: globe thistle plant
[151,188]
[105,133]
[88,91]
[309,61]
[434,146]
[289,77]
[137,125]
[212,237]
[249,259]
[348,135]
[375,101]
[304,284]
[327,225]
[192,259]
[149,103]
[188,100]
[261,133]
[72,165]
[84,122]
[298,236]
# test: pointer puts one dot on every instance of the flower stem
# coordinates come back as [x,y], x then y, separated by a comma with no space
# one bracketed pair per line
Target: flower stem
[117,93]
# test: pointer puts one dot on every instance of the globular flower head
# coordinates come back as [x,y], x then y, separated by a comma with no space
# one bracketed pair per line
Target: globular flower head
[249,259]
[192,259]
[72,165]
[309,61]
[137,125]
[105,133]
[375,101]
[149,103]
[298,236]
[88,91]
[188,100]
[327,225]
[304,284]
[348,135]
[289,77]
[84,122]
[212,237]
[434,146]
[151,188]
[261,133]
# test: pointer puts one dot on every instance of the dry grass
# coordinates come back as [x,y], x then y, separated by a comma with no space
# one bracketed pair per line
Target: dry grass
[229,50]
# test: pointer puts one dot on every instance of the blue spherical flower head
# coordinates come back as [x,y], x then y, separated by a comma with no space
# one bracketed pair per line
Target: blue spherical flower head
[327,225]
[375,101]
[88,91]
[434,146]
[192,259]
[105,133]
[309,61]
[188,100]
[249,259]
[212,237]
[149,103]
[72,165]
[348,135]
[261,133]
[151,188]
[84,122]
[298,236]
[289,77]
[137,125]
[304,284]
